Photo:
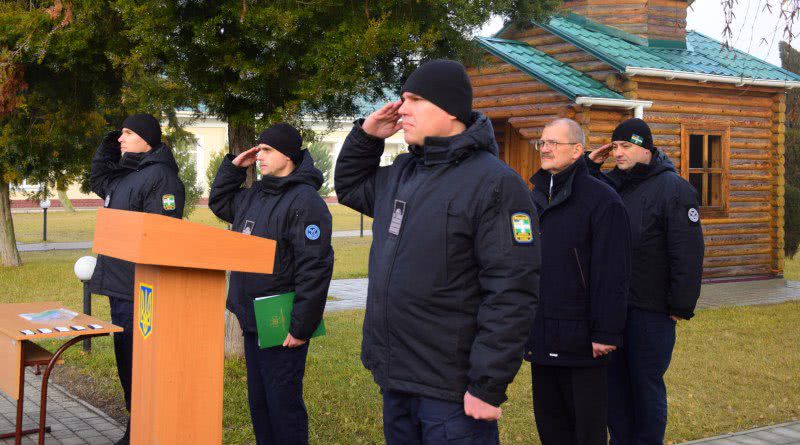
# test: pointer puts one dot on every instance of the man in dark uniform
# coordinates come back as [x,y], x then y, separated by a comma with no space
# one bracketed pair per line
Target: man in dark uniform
[285,206]
[583,290]
[667,243]
[454,265]
[131,170]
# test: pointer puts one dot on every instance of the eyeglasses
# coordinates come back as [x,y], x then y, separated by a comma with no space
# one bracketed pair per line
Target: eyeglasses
[540,144]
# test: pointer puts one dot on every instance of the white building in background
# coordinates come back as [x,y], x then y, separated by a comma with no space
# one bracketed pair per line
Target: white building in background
[211,134]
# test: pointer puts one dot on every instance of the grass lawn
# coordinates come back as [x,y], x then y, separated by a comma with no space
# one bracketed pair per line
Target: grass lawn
[733,368]
[79,226]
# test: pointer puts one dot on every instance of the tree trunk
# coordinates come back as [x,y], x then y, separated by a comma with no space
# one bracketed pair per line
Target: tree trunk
[65,202]
[240,138]
[9,255]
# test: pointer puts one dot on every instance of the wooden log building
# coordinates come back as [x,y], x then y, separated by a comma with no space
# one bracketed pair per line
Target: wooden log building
[718,114]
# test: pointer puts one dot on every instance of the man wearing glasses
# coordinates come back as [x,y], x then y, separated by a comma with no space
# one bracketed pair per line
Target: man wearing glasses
[583,288]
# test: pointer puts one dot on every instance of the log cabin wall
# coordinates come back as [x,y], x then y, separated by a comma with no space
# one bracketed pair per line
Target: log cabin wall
[519,107]
[723,139]
[562,51]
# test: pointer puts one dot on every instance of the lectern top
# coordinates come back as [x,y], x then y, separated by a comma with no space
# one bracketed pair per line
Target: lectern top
[146,238]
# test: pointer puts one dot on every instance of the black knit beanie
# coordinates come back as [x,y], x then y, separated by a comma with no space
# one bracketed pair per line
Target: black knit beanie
[146,126]
[446,84]
[635,131]
[284,138]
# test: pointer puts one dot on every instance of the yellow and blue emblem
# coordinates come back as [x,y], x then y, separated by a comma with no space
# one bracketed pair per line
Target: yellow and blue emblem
[145,309]
[522,228]
[636,139]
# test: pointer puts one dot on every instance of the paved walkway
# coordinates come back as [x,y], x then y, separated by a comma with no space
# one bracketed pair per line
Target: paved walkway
[81,245]
[352,293]
[72,421]
[785,433]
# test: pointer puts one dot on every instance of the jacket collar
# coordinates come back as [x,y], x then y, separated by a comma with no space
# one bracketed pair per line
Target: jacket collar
[562,184]
[479,135]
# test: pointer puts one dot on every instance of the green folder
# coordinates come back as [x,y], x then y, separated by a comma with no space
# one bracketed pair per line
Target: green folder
[273,317]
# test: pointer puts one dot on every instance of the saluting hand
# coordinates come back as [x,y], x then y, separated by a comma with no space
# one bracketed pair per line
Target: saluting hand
[599,349]
[292,342]
[600,155]
[246,158]
[480,410]
[384,122]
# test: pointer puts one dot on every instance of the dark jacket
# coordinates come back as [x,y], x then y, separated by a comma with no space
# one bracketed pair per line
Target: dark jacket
[453,283]
[151,187]
[666,235]
[290,211]
[586,268]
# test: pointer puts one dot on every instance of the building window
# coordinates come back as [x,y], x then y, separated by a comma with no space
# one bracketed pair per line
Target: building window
[704,163]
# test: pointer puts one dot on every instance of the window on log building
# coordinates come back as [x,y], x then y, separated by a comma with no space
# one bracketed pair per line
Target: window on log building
[704,163]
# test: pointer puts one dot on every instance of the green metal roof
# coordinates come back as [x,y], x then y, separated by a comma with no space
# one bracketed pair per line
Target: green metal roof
[703,55]
[557,75]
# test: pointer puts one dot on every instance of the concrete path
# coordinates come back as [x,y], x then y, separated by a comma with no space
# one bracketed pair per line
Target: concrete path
[784,433]
[80,245]
[72,420]
[352,293]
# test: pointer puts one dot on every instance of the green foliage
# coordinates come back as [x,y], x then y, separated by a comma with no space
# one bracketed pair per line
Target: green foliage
[323,161]
[791,221]
[58,91]
[790,60]
[183,143]
[213,165]
[280,59]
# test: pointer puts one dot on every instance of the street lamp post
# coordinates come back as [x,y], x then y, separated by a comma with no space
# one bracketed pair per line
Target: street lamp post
[44,204]
[84,268]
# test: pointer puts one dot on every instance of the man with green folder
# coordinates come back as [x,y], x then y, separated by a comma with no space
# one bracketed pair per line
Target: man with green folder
[285,206]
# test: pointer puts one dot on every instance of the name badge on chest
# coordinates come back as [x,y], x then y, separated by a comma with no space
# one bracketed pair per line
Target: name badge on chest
[248,227]
[397,217]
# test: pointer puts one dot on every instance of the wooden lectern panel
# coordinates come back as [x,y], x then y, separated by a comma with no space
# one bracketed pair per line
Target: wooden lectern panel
[145,238]
[178,355]
[10,357]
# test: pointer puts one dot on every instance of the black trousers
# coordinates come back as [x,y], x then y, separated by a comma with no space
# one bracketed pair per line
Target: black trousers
[570,404]
[410,419]
[275,392]
[122,316]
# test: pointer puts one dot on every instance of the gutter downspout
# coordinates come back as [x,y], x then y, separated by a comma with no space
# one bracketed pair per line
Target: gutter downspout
[638,106]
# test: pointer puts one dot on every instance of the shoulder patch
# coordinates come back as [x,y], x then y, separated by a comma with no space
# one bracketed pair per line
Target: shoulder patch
[522,227]
[168,202]
[312,232]
[694,215]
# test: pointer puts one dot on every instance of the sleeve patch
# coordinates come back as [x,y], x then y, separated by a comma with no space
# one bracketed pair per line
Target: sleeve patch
[313,233]
[522,228]
[168,202]
[694,215]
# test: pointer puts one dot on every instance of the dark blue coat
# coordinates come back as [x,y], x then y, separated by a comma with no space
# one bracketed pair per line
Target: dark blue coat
[454,265]
[290,211]
[152,187]
[586,265]
[666,235]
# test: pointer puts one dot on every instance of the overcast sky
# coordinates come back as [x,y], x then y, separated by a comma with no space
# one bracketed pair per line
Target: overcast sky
[752,25]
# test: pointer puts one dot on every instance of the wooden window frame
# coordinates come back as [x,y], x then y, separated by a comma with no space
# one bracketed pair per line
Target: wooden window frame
[724,132]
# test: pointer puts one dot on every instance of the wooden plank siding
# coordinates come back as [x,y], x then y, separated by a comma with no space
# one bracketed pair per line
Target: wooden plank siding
[746,238]
[743,240]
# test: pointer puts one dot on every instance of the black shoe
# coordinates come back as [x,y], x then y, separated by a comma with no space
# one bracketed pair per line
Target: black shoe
[126,438]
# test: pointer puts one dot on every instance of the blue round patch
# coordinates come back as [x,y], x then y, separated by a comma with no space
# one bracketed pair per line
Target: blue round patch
[312,232]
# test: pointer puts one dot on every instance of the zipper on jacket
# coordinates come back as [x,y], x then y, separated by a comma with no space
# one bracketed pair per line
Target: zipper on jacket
[580,269]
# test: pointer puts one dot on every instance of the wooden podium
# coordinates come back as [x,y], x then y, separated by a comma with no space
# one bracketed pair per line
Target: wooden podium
[179,318]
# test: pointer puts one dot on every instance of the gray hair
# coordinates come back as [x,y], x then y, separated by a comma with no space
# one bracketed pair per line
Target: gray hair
[574,130]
